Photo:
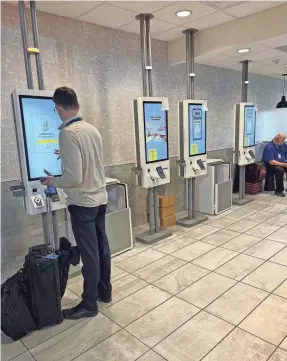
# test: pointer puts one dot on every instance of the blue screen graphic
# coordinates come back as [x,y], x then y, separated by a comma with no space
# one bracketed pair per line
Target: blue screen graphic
[41,135]
[156,132]
[197,130]
[249,126]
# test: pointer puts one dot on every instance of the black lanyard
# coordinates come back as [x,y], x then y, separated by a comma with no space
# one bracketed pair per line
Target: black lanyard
[78,119]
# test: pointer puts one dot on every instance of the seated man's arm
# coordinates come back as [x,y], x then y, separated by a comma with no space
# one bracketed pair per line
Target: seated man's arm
[274,162]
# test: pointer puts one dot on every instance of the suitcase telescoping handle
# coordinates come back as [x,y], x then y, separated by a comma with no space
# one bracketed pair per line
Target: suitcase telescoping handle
[51,238]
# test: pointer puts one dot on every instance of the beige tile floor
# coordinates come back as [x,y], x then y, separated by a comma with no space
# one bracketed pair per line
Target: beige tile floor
[217,292]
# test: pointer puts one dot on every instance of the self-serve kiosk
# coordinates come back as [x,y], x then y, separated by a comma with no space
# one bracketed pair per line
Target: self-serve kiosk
[245,125]
[37,138]
[151,137]
[37,132]
[192,135]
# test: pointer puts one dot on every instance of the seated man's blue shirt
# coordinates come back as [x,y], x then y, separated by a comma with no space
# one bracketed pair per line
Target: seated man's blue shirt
[274,152]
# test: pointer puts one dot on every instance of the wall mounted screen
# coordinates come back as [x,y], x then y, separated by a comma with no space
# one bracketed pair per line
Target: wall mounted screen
[156,132]
[249,126]
[197,130]
[41,135]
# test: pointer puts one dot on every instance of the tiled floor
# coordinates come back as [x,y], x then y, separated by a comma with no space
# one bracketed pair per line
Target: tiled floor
[217,292]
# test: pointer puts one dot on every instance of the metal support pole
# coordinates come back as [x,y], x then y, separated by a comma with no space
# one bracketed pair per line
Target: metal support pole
[244,82]
[244,93]
[40,78]
[148,56]
[189,36]
[55,229]
[27,58]
[141,18]
[151,210]
[36,44]
[148,91]
[156,210]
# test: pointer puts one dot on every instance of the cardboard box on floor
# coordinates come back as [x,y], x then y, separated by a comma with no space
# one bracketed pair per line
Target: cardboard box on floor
[166,201]
[168,221]
[167,211]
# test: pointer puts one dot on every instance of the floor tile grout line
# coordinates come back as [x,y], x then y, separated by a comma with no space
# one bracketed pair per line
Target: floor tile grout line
[144,314]
[59,333]
[282,341]
[272,353]
[151,349]
[238,326]
[106,338]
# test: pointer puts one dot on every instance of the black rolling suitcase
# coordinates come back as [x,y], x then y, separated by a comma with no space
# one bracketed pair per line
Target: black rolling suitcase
[16,319]
[43,280]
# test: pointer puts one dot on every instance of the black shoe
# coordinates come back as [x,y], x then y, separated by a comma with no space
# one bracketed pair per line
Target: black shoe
[280,194]
[78,312]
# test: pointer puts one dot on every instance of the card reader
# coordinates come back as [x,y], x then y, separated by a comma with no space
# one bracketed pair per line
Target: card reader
[160,172]
[51,192]
[201,165]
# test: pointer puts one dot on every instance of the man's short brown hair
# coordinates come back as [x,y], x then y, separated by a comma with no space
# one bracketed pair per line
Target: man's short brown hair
[66,98]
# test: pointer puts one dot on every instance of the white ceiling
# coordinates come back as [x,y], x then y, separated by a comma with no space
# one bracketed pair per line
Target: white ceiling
[166,26]
[265,58]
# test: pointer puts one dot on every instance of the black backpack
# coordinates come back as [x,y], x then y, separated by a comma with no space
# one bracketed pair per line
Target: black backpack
[16,319]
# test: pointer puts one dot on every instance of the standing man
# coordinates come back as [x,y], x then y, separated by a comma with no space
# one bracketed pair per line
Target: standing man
[275,159]
[83,181]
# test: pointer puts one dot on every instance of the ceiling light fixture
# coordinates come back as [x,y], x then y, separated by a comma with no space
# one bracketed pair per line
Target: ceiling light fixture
[183,13]
[242,51]
[283,102]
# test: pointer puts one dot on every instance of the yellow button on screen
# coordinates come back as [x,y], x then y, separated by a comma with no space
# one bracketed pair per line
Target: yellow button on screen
[47,141]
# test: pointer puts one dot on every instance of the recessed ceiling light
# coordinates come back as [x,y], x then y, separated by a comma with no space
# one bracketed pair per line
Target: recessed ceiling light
[241,51]
[183,13]
[285,64]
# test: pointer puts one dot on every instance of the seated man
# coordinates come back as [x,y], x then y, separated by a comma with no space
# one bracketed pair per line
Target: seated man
[275,159]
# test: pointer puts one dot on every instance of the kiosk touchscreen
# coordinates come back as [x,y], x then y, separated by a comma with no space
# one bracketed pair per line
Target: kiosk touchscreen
[245,123]
[38,138]
[192,135]
[151,137]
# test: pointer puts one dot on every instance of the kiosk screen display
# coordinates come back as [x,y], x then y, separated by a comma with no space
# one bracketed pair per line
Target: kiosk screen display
[156,132]
[197,130]
[41,135]
[249,126]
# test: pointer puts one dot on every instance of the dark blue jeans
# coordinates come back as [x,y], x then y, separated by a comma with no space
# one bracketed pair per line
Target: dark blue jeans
[89,230]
